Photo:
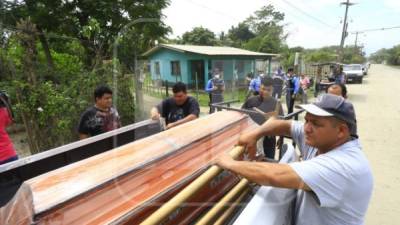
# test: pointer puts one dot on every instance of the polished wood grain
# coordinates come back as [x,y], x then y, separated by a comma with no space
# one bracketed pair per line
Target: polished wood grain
[128,183]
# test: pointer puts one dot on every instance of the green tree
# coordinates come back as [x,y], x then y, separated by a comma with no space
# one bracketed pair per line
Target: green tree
[394,55]
[69,18]
[320,56]
[240,34]
[199,36]
[380,56]
[287,55]
[390,56]
[48,108]
[266,24]
[351,54]
[55,53]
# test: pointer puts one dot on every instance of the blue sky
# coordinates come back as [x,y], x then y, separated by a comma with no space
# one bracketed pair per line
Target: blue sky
[321,27]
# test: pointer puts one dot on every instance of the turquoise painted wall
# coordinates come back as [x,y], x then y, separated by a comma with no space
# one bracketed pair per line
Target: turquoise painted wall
[165,56]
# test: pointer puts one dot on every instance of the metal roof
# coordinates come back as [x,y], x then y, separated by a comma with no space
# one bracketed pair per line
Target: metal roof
[209,50]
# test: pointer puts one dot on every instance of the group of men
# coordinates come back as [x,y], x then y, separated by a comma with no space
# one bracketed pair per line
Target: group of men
[295,86]
[333,179]
[102,117]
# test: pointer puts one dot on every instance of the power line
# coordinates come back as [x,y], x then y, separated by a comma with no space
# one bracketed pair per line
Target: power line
[376,29]
[370,30]
[211,9]
[311,8]
[308,15]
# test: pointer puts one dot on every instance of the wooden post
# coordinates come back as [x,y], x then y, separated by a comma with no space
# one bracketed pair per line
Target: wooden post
[166,88]
[197,86]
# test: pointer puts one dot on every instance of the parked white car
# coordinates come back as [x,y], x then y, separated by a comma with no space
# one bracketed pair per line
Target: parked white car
[354,73]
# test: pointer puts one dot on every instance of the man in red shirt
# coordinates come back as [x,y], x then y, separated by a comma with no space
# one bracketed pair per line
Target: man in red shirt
[7,151]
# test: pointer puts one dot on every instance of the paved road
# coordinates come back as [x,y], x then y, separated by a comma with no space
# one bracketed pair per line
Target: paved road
[377,107]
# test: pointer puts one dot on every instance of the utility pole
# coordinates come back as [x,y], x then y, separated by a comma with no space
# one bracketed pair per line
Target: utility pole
[355,43]
[344,31]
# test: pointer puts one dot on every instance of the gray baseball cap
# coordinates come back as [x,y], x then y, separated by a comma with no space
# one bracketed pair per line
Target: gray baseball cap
[336,106]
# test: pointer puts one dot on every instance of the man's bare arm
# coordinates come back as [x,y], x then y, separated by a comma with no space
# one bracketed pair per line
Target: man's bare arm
[272,127]
[188,118]
[263,173]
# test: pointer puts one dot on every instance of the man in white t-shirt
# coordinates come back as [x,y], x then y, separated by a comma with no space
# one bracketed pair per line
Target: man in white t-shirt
[334,179]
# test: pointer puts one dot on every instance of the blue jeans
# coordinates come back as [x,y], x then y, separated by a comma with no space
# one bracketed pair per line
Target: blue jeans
[9,160]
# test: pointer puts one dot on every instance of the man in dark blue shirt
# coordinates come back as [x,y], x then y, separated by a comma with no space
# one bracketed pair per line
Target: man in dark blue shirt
[266,103]
[177,110]
[292,89]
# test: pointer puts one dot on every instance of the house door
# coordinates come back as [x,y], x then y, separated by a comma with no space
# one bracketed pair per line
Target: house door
[197,74]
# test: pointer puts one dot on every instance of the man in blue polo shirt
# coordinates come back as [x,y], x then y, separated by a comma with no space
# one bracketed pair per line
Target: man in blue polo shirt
[255,83]
[292,89]
[215,88]
[334,178]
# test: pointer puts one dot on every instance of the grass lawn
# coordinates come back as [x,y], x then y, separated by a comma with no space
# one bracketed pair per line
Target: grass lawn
[203,97]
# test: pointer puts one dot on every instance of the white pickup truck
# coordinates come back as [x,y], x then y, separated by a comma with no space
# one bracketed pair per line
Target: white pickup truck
[354,73]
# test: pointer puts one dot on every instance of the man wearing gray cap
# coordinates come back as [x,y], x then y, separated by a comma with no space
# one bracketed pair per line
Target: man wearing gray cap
[334,179]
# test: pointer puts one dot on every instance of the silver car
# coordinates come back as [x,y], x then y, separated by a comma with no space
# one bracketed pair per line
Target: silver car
[354,73]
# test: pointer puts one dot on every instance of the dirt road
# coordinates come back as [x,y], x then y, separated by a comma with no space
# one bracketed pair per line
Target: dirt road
[377,107]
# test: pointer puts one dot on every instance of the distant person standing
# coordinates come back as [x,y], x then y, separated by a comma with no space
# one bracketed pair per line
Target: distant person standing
[255,83]
[304,85]
[215,87]
[278,81]
[292,89]
[101,117]
[7,151]
[248,79]
[340,78]
[267,104]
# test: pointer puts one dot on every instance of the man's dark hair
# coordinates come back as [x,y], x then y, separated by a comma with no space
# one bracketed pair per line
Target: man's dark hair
[267,81]
[4,100]
[6,103]
[290,70]
[178,87]
[101,90]
[342,87]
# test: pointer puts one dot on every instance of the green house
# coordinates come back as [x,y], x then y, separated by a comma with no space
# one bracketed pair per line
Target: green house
[194,65]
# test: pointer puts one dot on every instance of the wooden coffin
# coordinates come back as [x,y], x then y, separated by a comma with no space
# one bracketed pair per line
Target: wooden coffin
[128,183]
[13,174]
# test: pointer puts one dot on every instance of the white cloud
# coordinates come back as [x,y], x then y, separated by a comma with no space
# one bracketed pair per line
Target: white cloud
[312,37]
[323,30]
[392,4]
[183,15]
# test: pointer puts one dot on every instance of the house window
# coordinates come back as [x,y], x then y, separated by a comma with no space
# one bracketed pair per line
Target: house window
[240,66]
[175,68]
[157,68]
